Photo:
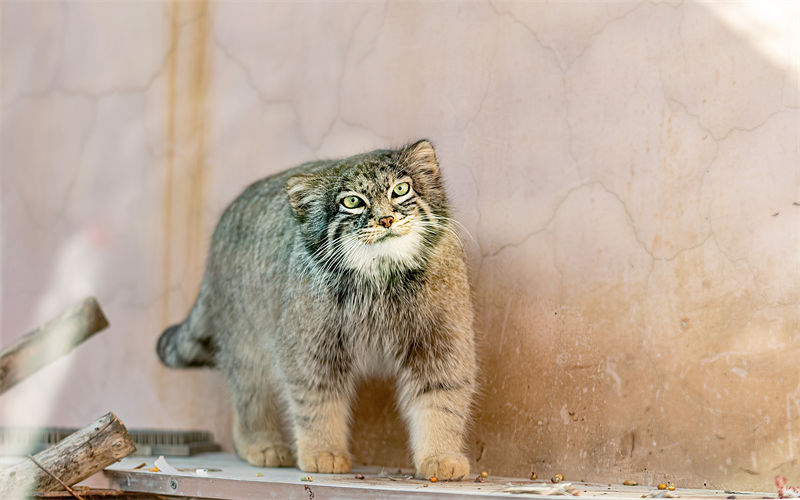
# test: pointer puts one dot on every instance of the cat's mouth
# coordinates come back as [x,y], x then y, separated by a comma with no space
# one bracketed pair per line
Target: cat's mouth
[378,235]
[387,235]
[374,247]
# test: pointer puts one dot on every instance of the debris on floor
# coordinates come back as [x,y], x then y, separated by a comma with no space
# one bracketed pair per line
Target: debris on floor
[395,477]
[163,466]
[199,471]
[786,491]
[660,493]
[544,489]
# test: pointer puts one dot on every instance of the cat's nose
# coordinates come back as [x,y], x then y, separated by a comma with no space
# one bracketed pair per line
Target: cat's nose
[386,221]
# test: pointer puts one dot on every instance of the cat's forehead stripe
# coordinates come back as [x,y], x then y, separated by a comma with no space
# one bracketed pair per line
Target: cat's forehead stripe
[369,176]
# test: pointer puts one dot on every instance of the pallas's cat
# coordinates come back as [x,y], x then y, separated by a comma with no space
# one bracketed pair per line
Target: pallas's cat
[324,274]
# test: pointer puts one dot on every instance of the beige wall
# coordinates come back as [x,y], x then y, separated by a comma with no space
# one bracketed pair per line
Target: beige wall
[628,173]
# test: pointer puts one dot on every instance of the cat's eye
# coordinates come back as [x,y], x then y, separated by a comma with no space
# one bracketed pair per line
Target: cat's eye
[401,189]
[352,201]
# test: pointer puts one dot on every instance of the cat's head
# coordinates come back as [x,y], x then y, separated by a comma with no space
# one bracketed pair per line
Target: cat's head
[372,213]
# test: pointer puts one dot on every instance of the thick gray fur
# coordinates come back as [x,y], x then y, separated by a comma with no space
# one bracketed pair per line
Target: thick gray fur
[303,296]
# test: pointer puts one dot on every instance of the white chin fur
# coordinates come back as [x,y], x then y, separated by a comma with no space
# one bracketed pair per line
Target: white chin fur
[384,255]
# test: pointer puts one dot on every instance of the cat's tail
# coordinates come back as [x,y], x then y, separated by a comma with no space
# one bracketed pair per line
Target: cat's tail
[182,346]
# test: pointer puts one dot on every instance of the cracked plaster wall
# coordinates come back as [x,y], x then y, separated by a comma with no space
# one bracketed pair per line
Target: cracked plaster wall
[627,173]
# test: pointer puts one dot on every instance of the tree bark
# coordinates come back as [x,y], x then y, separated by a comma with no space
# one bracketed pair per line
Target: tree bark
[50,341]
[72,460]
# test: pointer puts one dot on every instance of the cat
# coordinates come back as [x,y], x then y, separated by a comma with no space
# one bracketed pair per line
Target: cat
[322,275]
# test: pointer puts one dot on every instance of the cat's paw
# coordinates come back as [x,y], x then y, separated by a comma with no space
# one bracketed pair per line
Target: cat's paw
[324,462]
[445,467]
[266,455]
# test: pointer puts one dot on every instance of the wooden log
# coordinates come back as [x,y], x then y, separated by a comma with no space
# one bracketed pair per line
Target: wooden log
[50,341]
[73,459]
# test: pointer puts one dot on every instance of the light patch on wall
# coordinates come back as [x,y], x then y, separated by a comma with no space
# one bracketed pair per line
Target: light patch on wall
[770,26]
[75,275]
[739,371]
[792,401]
[564,413]
[611,370]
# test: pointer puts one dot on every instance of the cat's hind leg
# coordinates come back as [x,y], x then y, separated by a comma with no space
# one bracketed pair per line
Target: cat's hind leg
[258,434]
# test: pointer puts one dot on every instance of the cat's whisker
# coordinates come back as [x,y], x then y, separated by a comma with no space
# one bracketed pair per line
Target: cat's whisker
[334,259]
[434,229]
[456,223]
[316,257]
[336,256]
[344,252]
[349,248]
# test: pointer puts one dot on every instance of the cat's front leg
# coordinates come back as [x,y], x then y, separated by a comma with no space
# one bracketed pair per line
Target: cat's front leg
[321,413]
[436,402]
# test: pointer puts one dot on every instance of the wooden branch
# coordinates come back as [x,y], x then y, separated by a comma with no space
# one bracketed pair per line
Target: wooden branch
[72,460]
[58,479]
[50,341]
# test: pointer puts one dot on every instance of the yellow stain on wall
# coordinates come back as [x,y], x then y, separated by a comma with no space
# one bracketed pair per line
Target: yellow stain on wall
[185,169]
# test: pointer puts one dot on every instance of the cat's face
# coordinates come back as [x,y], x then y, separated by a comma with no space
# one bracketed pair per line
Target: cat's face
[372,213]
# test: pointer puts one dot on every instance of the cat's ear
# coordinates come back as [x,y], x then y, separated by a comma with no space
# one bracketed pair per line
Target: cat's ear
[300,189]
[420,157]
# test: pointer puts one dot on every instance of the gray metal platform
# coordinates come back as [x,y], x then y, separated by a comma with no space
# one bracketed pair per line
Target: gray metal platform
[229,477]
